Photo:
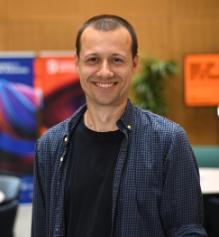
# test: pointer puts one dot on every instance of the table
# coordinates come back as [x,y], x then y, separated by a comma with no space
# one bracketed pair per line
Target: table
[209,180]
[2,196]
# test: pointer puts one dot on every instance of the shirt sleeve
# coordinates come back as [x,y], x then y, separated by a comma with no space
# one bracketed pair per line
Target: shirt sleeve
[38,213]
[181,206]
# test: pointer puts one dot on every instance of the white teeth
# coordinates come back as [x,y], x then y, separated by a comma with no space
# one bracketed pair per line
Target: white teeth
[104,85]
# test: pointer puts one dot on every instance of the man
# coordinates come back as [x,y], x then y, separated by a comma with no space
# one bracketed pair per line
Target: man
[113,169]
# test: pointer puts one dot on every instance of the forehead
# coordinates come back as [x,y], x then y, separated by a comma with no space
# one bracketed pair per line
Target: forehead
[118,40]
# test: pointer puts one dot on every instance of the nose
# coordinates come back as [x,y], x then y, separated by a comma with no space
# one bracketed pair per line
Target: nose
[105,70]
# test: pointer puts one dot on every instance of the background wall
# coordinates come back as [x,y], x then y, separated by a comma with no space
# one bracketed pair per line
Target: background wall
[167,29]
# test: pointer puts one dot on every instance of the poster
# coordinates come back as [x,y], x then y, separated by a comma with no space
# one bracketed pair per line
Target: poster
[201,80]
[19,104]
[57,78]
[35,94]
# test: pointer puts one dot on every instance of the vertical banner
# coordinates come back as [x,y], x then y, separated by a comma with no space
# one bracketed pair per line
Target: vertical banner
[201,80]
[57,78]
[19,105]
[35,94]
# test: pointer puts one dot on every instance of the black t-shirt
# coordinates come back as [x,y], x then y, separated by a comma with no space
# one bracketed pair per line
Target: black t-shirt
[88,191]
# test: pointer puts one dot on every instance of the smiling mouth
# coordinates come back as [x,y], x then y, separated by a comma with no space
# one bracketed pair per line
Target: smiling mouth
[105,84]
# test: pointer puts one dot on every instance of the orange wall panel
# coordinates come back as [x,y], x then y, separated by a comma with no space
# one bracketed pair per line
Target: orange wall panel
[167,29]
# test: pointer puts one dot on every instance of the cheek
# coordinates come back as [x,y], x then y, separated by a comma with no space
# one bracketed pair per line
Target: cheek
[127,76]
[83,79]
[85,73]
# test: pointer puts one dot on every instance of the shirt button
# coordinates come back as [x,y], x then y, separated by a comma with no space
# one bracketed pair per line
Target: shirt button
[66,139]
[62,158]
[129,126]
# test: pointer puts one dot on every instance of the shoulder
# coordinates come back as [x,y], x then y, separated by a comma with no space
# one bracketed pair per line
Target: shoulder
[54,135]
[156,122]
[161,136]
[158,130]
[52,140]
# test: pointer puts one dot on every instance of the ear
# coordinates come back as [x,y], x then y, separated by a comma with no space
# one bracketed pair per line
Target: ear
[135,62]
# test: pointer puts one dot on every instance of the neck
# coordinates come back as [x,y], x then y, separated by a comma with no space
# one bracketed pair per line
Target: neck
[103,118]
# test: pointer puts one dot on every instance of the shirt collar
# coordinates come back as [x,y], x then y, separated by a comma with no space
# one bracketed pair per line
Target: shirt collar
[73,121]
[126,120]
[125,123]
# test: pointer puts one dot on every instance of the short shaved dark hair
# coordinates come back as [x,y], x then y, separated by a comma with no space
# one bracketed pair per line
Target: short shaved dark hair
[108,23]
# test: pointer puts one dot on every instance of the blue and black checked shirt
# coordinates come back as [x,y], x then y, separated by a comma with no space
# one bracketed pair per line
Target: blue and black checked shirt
[156,190]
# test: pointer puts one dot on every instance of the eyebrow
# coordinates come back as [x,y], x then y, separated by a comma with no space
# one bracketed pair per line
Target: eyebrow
[96,54]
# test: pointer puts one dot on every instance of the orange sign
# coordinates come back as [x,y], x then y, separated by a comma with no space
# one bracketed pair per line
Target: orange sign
[201,80]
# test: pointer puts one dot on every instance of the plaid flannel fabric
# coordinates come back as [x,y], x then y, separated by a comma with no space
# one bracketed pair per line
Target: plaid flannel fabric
[156,190]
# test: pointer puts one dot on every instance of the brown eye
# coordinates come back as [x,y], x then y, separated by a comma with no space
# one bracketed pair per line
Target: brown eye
[92,60]
[117,60]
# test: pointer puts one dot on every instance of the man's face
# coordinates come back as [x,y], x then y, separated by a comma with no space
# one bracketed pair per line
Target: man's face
[106,66]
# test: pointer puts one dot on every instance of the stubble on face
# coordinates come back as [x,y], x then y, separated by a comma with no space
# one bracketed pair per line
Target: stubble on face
[106,66]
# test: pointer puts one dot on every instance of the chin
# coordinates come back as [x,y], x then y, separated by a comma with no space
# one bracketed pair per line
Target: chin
[110,102]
